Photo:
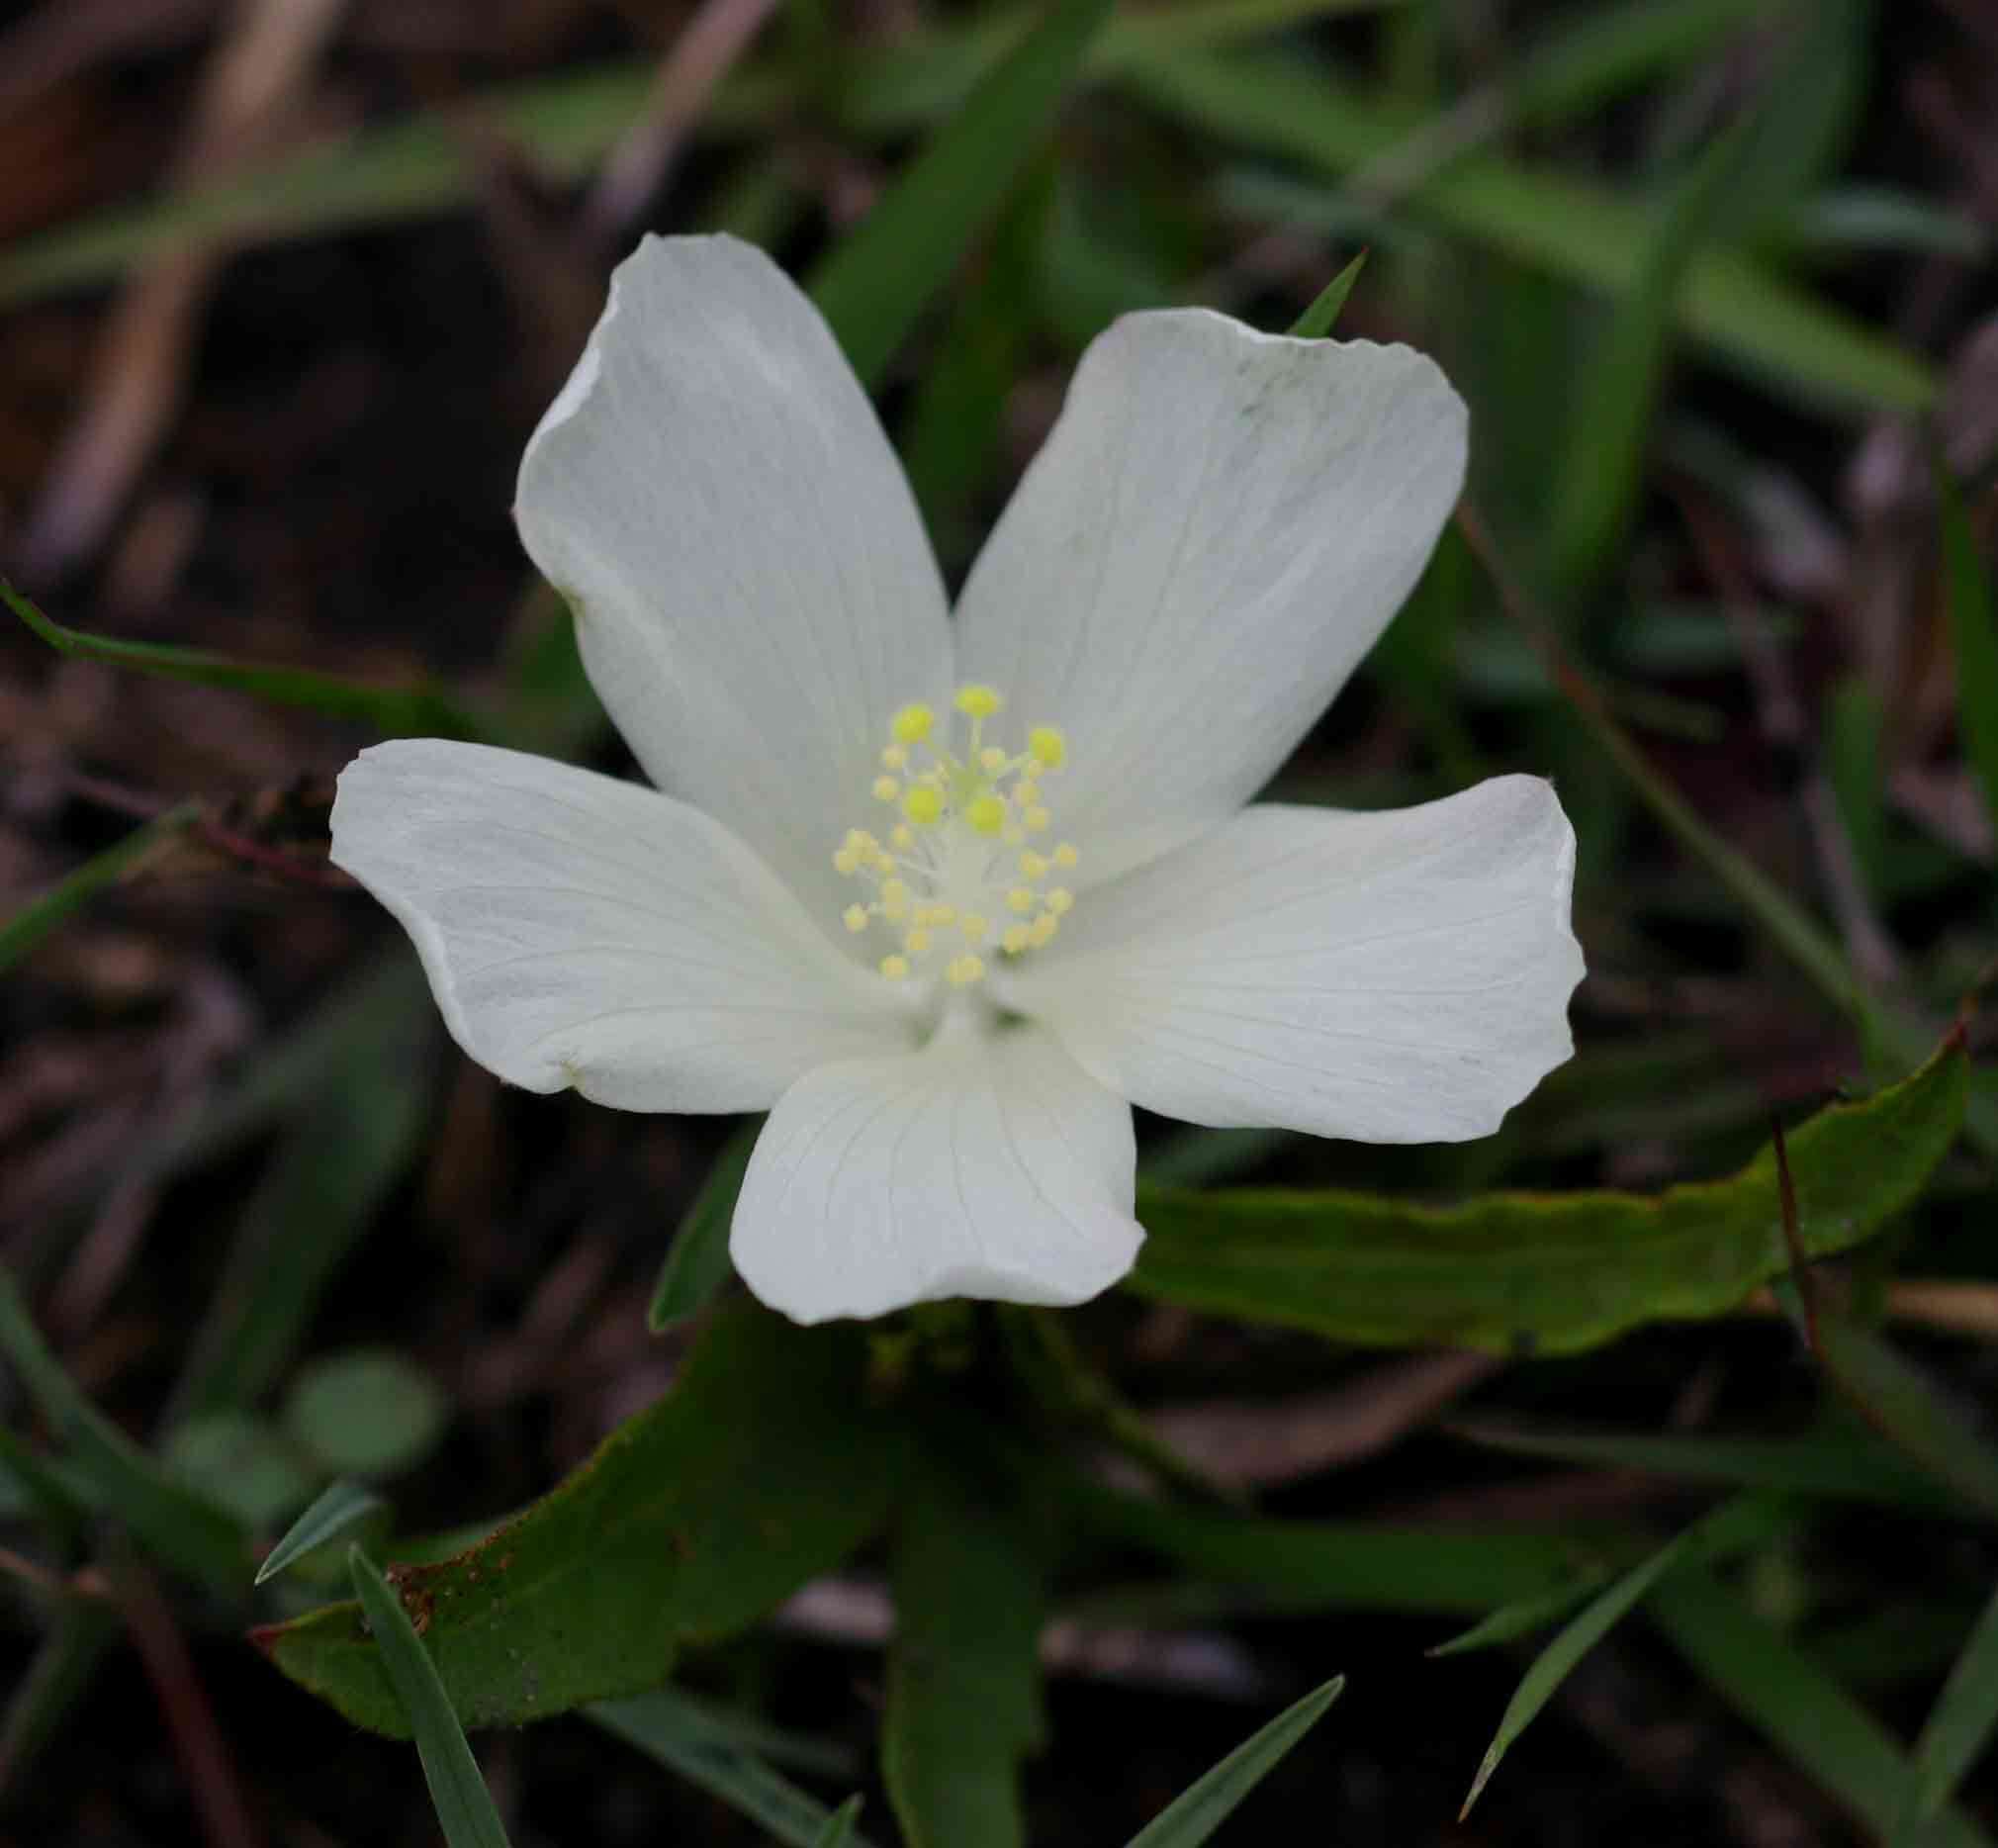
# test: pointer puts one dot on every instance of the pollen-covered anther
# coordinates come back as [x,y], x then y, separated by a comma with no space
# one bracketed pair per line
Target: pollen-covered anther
[963,971]
[886,789]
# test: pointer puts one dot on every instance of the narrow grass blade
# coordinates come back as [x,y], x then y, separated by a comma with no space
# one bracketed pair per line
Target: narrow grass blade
[839,1830]
[696,1262]
[1960,1724]
[1973,630]
[458,1793]
[1318,320]
[876,285]
[38,916]
[1520,1618]
[666,1730]
[1733,1525]
[340,1507]
[1203,1807]
[55,1679]
[183,1529]
[394,712]
[1782,1693]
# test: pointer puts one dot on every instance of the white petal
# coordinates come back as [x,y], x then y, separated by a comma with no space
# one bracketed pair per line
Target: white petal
[754,592]
[987,1165]
[1220,525]
[582,931]
[1392,978]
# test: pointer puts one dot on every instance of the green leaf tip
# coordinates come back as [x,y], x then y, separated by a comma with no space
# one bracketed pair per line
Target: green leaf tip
[339,1508]
[1318,320]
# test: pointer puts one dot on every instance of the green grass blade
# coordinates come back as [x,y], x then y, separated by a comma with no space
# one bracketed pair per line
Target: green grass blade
[1203,1807]
[696,1262]
[38,916]
[394,712]
[1782,1693]
[1520,1618]
[1973,631]
[54,1682]
[839,1830]
[876,285]
[670,1733]
[174,1523]
[1318,320]
[339,1508]
[1960,1724]
[458,1793]
[1742,1522]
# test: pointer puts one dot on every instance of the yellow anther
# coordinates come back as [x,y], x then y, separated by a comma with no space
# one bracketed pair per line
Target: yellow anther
[986,814]
[902,836]
[1049,746]
[886,789]
[992,760]
[978,701]
[916,942]
[963,971]
[881,860]
[974,927]
[1037,819]
[943,914]
[894,897]
[912,723]
[1043,929]
[1034,866]
[895,968]
[1020,899]
[895,757]
[846,860]
[1065,855]
[1028,795]
[1060,900]
[856,917]
[1015,938]
[922,806]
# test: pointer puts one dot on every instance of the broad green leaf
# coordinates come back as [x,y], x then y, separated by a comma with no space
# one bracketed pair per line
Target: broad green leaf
[339,1508]
[673,1733]
[696,1262]
[1959,1726]
[1973,630]
[395,712]
[877,282]
[1546,1273]
[174,1523]
[458,1793]
[964,1696]
[762,1467]
[1839,1466]
[1203,1807]
[38,916]
[370,1412]
[1778,1690]
[1572,229]
[1318,320]
[1742,1523]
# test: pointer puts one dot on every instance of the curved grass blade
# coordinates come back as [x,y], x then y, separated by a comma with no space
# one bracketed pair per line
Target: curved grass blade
[1317,321]
[394,712]
[458,1793]
[1741,1522]
[839,1830]
[1520,1618]
[1960,1724]
[339,1508]
[875,284]
[1202,1807]
[696,1262]
[38,916]
[1973,631]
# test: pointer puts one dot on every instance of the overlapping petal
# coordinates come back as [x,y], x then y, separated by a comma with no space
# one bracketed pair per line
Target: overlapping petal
[582,931]
[1220,525]
[754,592]
[1393,977]
[982,1165]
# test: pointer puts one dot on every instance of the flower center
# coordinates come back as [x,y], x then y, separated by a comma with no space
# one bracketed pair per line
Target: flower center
[964,872]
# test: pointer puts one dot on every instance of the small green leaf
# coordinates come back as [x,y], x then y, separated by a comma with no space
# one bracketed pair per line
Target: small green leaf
[367,1413]
[696,1262]
[670,1732]
[764,1466]
[1318,320]
[1973,630]
[1203,1807]
[1545,1273]
[38,916]
[458,1793]
[839,1830]
[1742,1522]
[340,1507]
[394,712]
[1960,1723]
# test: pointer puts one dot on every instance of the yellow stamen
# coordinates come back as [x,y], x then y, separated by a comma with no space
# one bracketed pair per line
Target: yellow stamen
[923,805]
[1049,746]
[856,917]
[895,968]
[886,789]
[912,724]
[986,814]
[976,701]
[963,971]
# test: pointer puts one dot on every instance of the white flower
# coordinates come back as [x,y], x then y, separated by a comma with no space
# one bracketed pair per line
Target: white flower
[942,895]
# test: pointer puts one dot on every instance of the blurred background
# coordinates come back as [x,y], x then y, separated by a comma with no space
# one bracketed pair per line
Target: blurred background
[285,284]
